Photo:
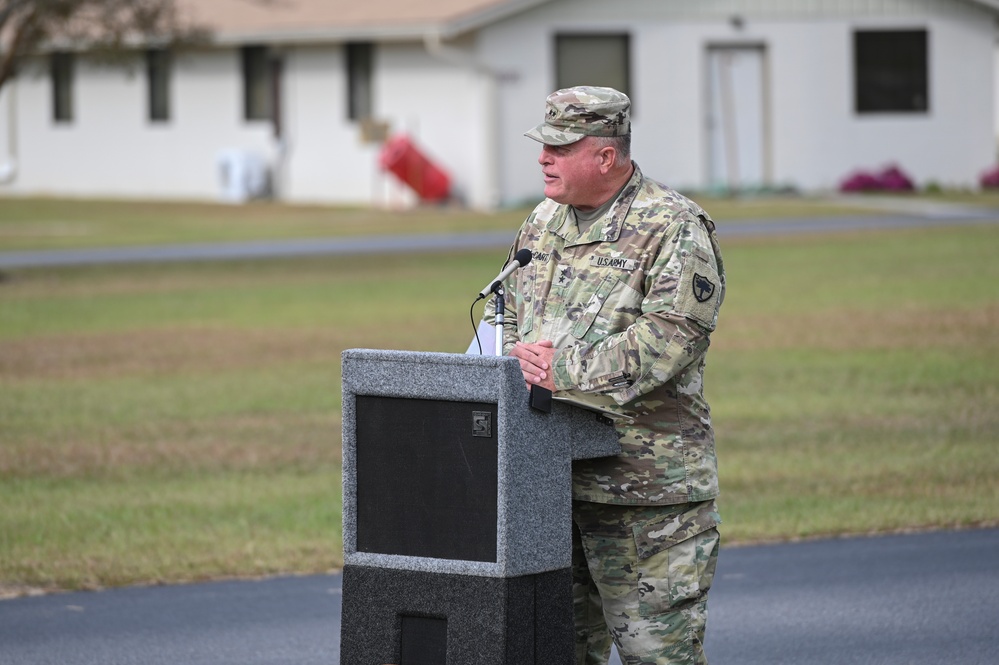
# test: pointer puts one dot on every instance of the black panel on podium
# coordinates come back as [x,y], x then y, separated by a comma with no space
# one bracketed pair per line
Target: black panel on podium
[426,478]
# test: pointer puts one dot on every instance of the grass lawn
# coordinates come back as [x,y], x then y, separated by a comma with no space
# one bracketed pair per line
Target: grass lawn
[173,422]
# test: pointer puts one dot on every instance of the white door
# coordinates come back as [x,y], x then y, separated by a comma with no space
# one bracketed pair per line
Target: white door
[737,122]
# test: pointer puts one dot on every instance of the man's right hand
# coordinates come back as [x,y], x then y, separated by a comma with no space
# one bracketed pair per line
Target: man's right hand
[536,363]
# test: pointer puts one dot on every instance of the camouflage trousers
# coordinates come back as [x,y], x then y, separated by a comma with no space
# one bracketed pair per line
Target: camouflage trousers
[641,575]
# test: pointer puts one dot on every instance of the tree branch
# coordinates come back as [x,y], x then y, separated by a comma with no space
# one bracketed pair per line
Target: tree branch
[105,26]
[21,31]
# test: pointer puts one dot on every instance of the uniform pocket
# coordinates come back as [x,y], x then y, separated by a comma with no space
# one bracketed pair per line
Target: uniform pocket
[677,554]
[587,305]
[610,307]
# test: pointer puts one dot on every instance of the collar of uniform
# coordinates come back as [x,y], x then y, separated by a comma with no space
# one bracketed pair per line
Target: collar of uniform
[606,230]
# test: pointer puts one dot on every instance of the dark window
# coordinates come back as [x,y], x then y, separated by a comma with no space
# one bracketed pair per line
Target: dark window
[158,79]
[258,84]
[593,59]
[62,65]
[892,71]
[360,63]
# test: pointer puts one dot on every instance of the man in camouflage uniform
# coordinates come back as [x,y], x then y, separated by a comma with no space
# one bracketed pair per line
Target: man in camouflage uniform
[614,313]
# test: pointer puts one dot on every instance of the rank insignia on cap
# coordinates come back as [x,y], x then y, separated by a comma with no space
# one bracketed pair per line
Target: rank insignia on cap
[703,288]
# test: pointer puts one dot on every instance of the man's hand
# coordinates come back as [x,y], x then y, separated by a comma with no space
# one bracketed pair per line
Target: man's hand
[536,363]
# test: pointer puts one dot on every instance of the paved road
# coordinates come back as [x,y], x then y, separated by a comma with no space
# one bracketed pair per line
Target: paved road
[937,215]
[918,599]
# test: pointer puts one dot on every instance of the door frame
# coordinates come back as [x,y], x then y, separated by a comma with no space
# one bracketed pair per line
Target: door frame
[766,131]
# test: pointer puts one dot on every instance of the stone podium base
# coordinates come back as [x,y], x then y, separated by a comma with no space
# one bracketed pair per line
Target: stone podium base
[404,617]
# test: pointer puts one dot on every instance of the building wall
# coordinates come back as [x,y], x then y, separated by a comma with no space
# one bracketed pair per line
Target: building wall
[817,138]
[995,83]
[440,102]
[325,158]
[434,101]
[820,138]
[8,136]
[111,149]
[466,106]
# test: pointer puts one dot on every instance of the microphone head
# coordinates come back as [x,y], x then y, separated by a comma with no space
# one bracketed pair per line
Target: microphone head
[523,257]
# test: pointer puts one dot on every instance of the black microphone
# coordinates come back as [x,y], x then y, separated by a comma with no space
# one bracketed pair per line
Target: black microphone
[520,259]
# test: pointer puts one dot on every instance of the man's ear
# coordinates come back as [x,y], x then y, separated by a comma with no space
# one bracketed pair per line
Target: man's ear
[607,155]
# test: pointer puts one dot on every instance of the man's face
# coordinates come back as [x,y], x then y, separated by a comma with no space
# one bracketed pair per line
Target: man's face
[573,173]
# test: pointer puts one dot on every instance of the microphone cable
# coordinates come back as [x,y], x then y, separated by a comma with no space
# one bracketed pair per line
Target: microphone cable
[475,328]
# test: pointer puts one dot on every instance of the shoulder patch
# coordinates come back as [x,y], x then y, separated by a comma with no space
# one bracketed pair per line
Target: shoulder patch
[698,294]
[703,287]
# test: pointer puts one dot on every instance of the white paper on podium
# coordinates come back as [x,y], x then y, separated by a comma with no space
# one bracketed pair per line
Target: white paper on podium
[487,337]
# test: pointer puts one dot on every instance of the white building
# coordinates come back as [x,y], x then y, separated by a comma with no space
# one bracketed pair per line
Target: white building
[741,93]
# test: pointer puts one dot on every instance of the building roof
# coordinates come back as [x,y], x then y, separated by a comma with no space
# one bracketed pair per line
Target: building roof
[241,21]
[325,20]
[298,21]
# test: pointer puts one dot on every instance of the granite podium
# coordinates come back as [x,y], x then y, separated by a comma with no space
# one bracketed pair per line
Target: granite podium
[456,511]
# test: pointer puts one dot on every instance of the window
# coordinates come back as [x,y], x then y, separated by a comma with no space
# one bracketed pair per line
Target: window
[158,80]
[593,59]
[258,84]
[360,61]
[891,71]
[62,65]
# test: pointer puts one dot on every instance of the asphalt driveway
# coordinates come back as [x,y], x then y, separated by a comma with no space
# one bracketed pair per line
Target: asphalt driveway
[918,599]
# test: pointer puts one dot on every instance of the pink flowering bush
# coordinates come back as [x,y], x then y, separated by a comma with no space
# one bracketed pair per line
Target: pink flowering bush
[891,179]
[990,178]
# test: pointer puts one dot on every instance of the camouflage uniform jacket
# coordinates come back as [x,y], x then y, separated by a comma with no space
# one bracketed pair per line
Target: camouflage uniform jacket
[629,305]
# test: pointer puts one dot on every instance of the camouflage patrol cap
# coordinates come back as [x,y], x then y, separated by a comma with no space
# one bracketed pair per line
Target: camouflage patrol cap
[572,113]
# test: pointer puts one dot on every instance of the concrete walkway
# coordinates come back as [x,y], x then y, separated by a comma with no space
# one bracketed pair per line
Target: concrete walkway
[903,214]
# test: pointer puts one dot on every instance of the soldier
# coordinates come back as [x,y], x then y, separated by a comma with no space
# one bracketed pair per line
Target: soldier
[614,313]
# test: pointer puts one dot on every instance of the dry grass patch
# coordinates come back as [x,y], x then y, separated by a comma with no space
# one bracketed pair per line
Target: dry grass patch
[245,443]
[58,387]
[857,329]
[157,352]
[155,279]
